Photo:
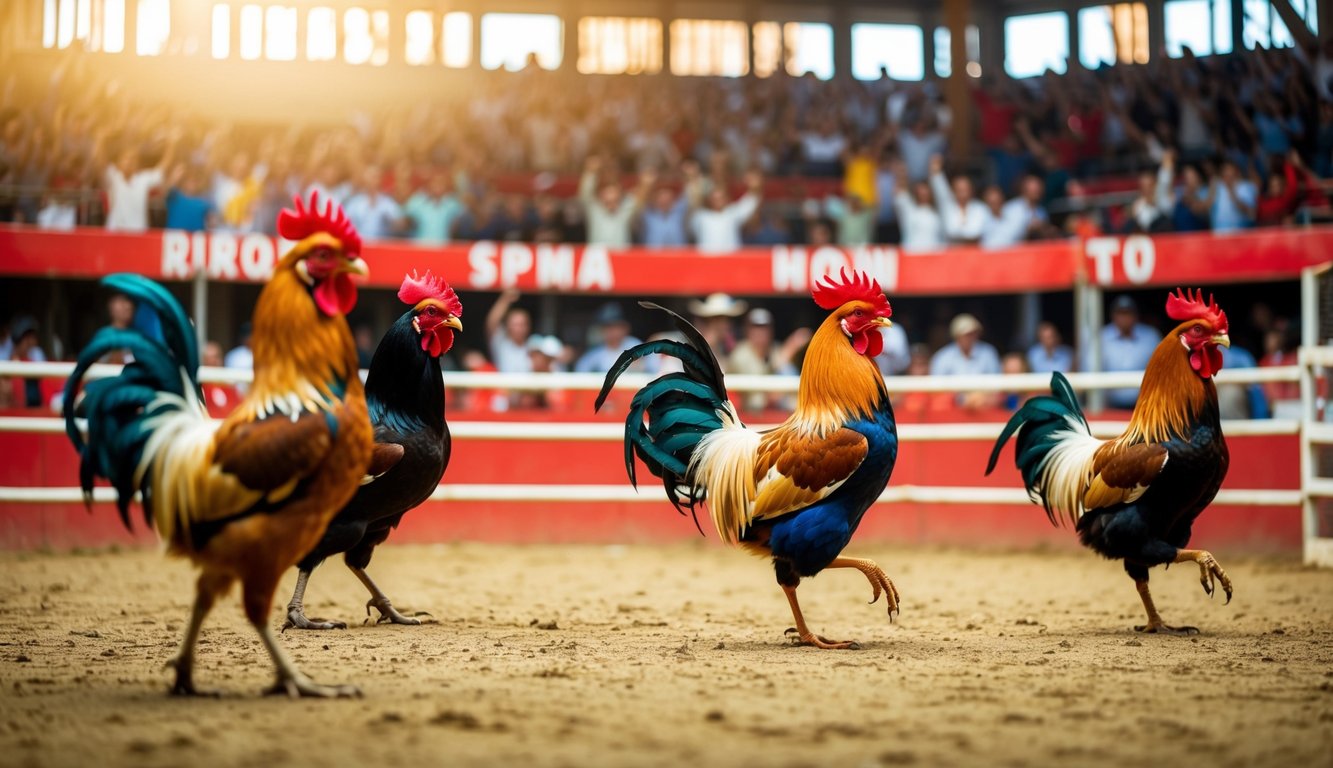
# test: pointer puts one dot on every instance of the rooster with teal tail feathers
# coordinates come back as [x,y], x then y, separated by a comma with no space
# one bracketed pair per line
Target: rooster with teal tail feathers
[245,498]
[794,494]
[1135,497]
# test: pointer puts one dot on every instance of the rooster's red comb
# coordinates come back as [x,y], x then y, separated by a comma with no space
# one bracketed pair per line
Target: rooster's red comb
[1189,305]
[855,287]
[417,289]
[308,219]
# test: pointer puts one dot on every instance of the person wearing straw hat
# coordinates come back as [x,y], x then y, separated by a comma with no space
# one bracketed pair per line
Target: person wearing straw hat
[713,317]
[967,355]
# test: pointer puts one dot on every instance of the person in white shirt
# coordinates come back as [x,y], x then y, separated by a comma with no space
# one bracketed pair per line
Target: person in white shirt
[1022,218]
[920,223]
[508,328]
[609,211]
[995,231]
[128,187]
[962,214]
[375,214]
[717,226]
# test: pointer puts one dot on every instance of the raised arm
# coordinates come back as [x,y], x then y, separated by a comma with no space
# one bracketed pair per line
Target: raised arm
[497,313]
[588,182]
[939,186]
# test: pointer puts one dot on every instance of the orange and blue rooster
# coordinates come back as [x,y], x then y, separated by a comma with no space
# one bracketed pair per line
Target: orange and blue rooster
[796,493]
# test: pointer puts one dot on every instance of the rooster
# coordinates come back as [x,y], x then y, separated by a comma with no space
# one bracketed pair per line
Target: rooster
[246,498]
[1134,498]
[796,493]
[405,395]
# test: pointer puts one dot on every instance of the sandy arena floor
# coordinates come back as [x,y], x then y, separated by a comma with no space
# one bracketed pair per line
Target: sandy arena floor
[675,656]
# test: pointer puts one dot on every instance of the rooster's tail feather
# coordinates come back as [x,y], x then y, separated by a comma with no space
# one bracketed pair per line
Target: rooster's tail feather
[1053,450]
[123,412]
[680,410]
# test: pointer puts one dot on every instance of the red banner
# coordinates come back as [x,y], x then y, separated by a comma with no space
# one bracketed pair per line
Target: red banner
[1111,261]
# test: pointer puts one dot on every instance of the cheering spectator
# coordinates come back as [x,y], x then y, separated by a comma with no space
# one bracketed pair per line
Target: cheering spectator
[375,215]
[236,192]
[918,144]
[855,220]
[664,220]
[129,184]
[608,210]
[920,222]
[964,216]
[1282,194]
[434,211]
[1150,210]
[1127,345]
[188,207]
[1232,199]
[823,148]
[717,226]
[508,328]
[1049,354]
[1189,201]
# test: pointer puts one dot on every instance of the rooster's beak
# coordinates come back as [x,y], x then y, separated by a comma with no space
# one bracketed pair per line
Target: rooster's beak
[356,266]
[884,321]
[1222,339]
[453,322]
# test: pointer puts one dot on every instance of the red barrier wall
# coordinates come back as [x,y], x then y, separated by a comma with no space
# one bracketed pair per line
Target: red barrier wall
[1269,462]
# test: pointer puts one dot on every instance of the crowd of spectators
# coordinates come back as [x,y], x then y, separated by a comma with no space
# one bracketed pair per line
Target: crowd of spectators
[1220,142]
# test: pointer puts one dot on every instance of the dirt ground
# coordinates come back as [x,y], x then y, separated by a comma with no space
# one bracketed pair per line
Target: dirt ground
[673,656]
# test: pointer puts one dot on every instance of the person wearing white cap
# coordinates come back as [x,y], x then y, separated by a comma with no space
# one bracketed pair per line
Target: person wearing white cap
[713,317]
[967,355]
[756,355]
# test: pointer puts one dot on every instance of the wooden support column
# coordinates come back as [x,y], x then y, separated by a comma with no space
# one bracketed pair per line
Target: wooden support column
[955,88]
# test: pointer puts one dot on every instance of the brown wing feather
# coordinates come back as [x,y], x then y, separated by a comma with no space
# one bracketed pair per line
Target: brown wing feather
[796,469]
[273,452]
[1123,473]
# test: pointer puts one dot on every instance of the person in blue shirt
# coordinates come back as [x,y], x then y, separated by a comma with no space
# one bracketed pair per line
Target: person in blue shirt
[968,355]
[1049,355]
[375,214]
[189,207]
[1232,199]
[434,211]
[664,221]
[1127,345]
[616,338]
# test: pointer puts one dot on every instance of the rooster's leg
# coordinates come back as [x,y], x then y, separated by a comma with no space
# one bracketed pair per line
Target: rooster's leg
[803,633]
[879,581]
[296,609]
[380,601]
[257,599]
[205,594]
[291,681]
[1210,573]
[1155,624]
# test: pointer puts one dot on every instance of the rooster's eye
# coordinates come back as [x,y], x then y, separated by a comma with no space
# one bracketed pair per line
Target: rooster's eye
[432,311]
[860,313]
[1197,330]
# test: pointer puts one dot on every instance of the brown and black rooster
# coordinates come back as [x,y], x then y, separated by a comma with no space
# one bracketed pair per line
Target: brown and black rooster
[405,395]
[247,498]
[1135,498]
